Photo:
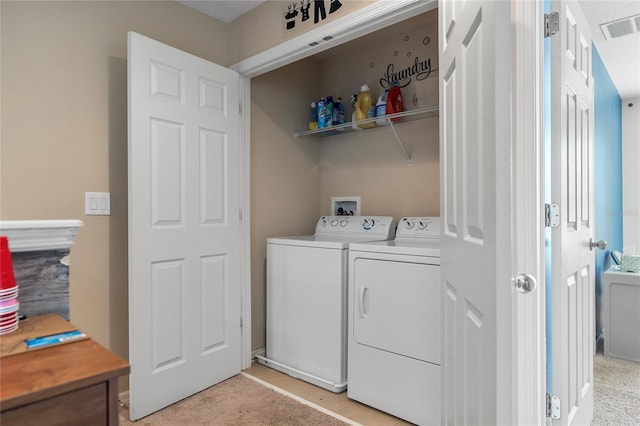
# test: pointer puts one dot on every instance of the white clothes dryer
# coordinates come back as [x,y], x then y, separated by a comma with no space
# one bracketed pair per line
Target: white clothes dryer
[394,322]
[307,298]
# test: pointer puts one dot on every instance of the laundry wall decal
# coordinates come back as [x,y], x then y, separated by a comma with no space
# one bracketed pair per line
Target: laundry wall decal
[301,11]
[420,69]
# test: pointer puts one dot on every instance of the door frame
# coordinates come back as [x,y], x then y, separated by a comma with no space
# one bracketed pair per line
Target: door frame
[245,219]
[524,398]
[349,27]
[529,345]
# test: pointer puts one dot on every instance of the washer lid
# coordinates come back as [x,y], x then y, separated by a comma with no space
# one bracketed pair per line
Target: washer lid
[340,242]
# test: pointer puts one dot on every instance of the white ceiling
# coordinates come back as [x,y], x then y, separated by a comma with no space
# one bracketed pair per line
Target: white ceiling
[621,55]
[226,11]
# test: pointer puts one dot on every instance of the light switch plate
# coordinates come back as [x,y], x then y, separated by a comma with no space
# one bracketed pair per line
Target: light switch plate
[97,203]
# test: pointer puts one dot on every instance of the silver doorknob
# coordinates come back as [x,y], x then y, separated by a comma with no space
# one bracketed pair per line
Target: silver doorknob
[524,283]
[602,244]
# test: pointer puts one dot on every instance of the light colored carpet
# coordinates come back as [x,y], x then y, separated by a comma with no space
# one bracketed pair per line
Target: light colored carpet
[616,392]
[238,401]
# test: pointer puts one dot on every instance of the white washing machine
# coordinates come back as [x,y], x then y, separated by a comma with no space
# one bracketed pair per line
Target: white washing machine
[394,322]
[307,298]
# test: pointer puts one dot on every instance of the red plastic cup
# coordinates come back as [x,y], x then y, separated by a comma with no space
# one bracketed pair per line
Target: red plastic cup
[7,279]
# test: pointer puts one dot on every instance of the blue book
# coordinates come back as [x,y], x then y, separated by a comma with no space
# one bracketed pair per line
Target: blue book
[53,339]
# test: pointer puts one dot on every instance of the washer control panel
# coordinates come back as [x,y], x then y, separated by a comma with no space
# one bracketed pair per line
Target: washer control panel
[419,227]
[382,226]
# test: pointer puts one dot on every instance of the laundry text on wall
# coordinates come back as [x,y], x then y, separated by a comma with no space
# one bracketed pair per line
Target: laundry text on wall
[420,70]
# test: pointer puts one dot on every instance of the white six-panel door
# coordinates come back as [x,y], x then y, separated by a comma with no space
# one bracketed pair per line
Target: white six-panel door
[475,175]
[184,226]
[571,173]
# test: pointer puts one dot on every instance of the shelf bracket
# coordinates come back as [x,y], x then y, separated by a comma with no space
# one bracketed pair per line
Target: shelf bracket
[404,150]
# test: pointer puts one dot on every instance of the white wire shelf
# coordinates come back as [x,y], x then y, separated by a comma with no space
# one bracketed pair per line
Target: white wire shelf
[391,121]
[342,129]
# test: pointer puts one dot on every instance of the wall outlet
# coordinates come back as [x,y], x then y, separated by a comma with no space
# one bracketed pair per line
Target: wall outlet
[97,203]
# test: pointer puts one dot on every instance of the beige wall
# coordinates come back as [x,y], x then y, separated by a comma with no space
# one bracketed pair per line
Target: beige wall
[264,27]
[371,163]
[64,130]
[285,173]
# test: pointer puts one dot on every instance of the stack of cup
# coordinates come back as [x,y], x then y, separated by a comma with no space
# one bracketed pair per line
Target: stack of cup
[8,291]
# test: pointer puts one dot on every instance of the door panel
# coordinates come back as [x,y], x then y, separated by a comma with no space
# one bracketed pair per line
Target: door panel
[167,282]
[167,173]
[213,312]
[213,149]
[475,180]
[184,226]
[573,282]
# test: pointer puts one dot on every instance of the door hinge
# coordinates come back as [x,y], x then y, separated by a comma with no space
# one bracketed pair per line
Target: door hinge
[551,215]
[551,24]
[553,407]
[240,109]
[241,322]
[240,215]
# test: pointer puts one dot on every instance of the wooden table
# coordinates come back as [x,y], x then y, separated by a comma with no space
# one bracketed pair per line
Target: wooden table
[73,383]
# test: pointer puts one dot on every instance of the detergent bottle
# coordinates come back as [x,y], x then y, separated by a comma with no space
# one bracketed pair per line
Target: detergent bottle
[322,113]
[313,124]
[354,106]
[366,105]
[394,101]
[338,112]
[381,108]
[330,106]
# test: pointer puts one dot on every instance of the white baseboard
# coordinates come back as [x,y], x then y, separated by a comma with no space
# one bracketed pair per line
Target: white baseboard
[600,341]
[123,399]
[254,354]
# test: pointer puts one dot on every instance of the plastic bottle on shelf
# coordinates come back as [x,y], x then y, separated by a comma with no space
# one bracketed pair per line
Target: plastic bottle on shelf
[313,124]
[354,105]
[381,108]
[329,119]
[394,101]
[338,112]
[366,105]
[322,113]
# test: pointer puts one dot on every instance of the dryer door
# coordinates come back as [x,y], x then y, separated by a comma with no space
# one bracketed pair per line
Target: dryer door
[396,307]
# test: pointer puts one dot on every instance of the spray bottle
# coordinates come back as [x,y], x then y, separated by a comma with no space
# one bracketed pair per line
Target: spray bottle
[313,124]
[381,108]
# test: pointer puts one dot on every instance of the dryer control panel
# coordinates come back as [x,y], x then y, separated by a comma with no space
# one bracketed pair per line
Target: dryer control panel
[419,227]
[377,226]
